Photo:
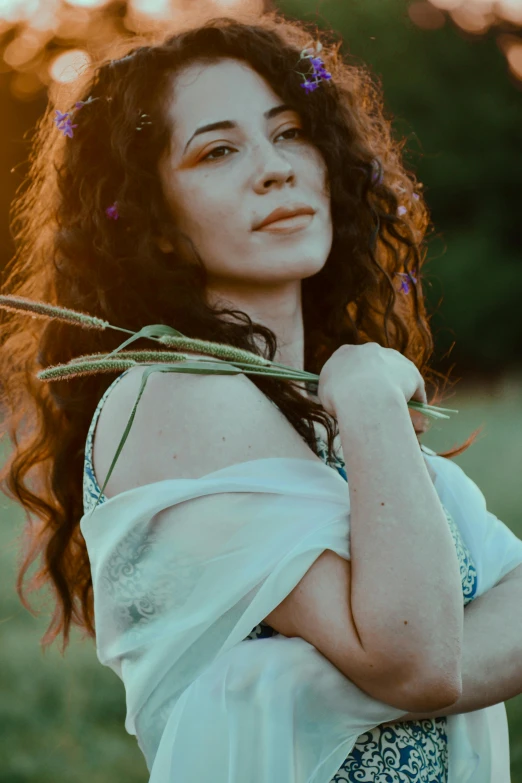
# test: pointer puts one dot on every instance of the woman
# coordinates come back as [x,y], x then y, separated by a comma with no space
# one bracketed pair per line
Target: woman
[152,216]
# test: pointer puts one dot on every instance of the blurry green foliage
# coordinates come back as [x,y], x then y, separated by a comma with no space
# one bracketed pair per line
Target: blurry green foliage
[452,96]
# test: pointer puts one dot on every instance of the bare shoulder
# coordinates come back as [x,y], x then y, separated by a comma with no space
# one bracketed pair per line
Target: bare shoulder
[188,425]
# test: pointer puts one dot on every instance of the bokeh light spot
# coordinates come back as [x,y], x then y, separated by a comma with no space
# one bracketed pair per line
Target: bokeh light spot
[67,66]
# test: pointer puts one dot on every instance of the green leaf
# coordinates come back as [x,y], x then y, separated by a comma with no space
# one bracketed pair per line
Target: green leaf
[151,330]
[145,376]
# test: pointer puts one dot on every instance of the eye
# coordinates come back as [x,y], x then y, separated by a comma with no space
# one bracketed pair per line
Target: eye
[223,147]
[292,130]
[206,157]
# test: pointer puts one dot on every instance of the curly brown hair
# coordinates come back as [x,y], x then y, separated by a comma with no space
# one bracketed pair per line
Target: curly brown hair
[69,253]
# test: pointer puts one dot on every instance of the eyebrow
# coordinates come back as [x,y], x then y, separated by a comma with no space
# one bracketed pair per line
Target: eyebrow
[227,124]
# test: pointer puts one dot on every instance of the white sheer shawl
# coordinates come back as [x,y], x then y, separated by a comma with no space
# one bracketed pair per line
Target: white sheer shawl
[182,571]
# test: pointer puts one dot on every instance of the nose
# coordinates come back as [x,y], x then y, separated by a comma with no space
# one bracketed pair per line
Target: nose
[274,167]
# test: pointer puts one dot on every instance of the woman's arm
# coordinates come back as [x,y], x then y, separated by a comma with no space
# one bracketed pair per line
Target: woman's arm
[491,651]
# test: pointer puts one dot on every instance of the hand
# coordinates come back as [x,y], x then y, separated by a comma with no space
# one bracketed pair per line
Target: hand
[369,371]
[419,421]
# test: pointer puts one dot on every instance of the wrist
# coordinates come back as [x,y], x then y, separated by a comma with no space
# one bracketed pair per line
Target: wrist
[363,402]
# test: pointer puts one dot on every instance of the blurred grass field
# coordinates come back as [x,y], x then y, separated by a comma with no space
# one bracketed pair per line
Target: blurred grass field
[62,719]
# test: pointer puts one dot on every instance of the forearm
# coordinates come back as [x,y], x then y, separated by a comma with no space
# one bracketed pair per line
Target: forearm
[491,652]
[395,513]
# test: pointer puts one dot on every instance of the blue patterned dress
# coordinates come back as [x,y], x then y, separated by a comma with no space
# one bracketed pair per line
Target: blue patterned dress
[409,752]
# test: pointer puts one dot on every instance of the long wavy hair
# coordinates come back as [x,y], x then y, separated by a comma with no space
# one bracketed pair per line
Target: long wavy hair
[69,253]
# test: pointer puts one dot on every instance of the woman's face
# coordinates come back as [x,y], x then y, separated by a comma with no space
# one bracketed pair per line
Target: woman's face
[222,182]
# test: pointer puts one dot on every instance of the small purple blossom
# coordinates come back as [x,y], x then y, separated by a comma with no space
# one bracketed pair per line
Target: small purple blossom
[60,118]
[63,120]
[401,210]
[404,285]
[112,212]
[317,63]
[416,196]
[378,173]
[319,71]
[67,128]
[63,123]
[310,86]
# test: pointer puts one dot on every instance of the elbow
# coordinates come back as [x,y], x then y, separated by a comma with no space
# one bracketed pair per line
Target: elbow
[436,692]
[416,691]
[435,681]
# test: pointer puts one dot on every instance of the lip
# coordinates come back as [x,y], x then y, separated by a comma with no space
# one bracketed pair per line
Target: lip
[285,212]
[287,225]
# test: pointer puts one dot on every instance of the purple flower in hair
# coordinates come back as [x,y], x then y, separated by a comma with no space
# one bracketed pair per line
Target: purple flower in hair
[112,212]
[378,173]
[63,123]
[61,118]
[404,285]
[67,128]
[319,71]
[310,86]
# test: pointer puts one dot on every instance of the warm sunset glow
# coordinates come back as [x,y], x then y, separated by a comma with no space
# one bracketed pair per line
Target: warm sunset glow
[152,8]
[88,3]
[473,18]
[37,25]
[447,5]
[477,16]
[512,48]
[68,65]
[511,10]
[425,16]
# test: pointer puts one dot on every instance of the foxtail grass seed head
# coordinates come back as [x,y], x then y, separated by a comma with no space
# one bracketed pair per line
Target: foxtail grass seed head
[222,351]
[59,372]
[137,356]
[92,364]
[43,310]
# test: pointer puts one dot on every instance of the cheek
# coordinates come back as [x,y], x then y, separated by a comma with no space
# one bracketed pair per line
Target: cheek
[191,209]
[316,174]
[215,227]
[214,219]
